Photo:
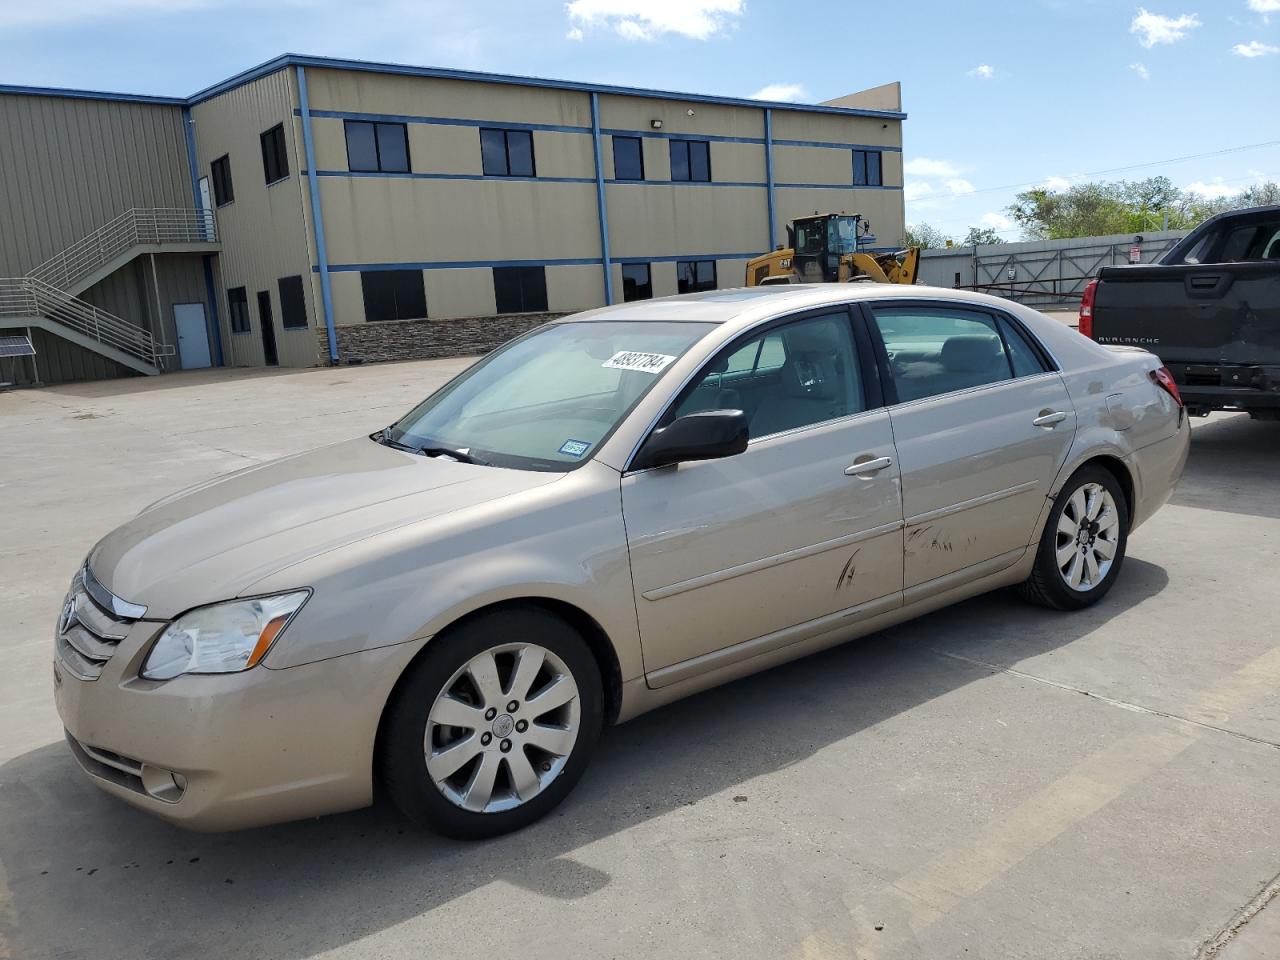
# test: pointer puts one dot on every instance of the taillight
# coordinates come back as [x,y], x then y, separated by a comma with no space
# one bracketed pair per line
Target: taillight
[1086,308]
[1164,379]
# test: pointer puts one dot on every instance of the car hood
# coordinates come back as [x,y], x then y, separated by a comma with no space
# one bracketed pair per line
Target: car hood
[214,541]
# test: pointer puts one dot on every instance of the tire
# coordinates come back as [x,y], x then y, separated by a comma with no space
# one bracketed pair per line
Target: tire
[513,766]
[1057,564]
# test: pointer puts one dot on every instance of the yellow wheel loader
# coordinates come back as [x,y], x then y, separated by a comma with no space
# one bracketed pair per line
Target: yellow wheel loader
[824,249]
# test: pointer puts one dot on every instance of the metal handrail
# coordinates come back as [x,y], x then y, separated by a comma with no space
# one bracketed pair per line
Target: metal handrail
[138,225]
[32,297]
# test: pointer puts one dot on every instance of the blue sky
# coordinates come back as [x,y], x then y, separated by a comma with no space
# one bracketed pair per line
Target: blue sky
[1000,95]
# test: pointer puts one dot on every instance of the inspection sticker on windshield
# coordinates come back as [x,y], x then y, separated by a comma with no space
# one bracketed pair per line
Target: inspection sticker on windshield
[634,360]
[574,448]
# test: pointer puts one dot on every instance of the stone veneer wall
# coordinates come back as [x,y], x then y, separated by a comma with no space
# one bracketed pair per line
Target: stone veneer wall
[422,339]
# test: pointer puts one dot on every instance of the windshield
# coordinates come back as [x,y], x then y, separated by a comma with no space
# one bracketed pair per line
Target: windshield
[842,234]
[547,400]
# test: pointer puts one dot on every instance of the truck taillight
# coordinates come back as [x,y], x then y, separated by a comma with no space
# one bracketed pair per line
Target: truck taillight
[1164,379]
[1086,308]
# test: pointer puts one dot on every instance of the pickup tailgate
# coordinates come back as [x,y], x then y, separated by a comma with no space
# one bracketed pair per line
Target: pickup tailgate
[1227,313]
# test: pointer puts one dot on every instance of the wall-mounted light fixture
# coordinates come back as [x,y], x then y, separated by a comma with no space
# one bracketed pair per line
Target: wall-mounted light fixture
[656,124]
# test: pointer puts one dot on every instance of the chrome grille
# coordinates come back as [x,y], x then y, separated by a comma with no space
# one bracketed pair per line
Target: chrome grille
[91,625]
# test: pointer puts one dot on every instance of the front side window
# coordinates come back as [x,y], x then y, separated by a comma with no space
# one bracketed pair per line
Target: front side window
[377,147]
[695,275]
[393,295]
[628,159]
[275,161]
[506,153]
[547,400]
[691,160]
[220,174]
[637,283]
[937,350]
[520,289]
[792,376]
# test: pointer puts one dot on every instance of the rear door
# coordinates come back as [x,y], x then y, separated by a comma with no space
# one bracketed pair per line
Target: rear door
[801,533]
[982,424]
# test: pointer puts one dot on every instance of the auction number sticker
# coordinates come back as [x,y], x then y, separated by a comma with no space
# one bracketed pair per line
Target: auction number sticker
[574,448]
[634,360]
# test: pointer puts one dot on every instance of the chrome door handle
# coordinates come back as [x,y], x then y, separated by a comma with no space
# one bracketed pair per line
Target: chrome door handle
[1049,419]
[867,466]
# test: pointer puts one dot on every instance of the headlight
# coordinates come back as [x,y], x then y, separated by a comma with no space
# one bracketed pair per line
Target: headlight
[223,638]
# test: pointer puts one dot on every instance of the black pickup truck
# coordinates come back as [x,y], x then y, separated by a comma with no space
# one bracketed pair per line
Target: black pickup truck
[1210,309]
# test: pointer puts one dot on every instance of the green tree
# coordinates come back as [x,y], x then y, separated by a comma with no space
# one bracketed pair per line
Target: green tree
[981,236]
[925,237]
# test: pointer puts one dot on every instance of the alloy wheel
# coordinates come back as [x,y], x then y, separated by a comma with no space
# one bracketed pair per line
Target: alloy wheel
[502,728]
[1088,537]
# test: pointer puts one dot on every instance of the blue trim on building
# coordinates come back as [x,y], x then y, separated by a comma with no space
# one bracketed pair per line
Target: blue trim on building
[602,208]
[380,175]
[275,64]
[832,186]
[768,170]
[212,294]
[193,169]
[317,218]
[444,121]
[689,183]
[838,146]
[561,262]
[676,258]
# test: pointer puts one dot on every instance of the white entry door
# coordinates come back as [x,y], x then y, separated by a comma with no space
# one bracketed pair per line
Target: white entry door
[193,335]
[206,206]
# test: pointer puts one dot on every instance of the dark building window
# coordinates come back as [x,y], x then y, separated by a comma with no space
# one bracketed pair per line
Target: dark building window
[220,174]
[393,295]
[866,168]
[238,309]
[691,160]
[520,289]
[695,275]
[636,282]
[506,153]
[628,159]
[381,147]
[275,162]
[293,305]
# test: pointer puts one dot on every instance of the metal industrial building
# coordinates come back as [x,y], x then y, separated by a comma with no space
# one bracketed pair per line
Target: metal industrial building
[313,210]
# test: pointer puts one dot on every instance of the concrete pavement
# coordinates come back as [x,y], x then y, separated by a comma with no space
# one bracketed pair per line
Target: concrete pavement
[991,781]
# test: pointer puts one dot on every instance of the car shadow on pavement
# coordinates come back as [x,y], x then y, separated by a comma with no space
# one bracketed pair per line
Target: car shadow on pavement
[90,876]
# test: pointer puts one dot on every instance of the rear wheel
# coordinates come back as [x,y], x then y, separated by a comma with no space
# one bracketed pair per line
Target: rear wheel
[494,725]
[1083,544]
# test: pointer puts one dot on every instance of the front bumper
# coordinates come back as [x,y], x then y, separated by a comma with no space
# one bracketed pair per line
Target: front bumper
[247,749]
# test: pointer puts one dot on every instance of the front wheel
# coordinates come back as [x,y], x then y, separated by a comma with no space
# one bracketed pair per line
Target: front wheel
[494,724]
[1083,544]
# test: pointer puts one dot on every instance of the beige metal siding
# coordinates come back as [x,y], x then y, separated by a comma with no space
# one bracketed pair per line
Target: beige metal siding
[71,165]
[264,230]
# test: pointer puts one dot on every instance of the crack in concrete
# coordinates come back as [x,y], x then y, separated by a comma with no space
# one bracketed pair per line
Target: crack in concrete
[1213,946]
[1122,704]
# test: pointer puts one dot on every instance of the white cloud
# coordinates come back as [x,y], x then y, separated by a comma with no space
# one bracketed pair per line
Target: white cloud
[650,19]
[917,190]
[1140,70]
[1153,29]
[1055,184]
[1254,48]
[1264,6]
[983,71]
[958,186]
[997,221]
[783,92]
[924,167]
[1215,190]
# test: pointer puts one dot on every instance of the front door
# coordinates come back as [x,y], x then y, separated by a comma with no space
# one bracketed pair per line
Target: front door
[193,335]
[800,534]
[206,209]
[982,425]
[268,326]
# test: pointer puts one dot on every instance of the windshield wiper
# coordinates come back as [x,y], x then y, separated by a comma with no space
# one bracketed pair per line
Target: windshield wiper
[383,436]
[460,455]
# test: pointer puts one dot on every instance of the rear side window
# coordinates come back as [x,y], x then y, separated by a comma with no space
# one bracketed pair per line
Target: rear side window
[936,350]
[1026,361]
[1235,242]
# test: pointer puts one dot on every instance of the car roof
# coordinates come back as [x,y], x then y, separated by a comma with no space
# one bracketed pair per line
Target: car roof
[744,305]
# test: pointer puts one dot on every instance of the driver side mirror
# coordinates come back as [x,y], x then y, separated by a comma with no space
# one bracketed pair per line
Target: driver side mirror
[708,435]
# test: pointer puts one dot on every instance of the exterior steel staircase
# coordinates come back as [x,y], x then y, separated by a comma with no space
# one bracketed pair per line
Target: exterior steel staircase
[46,298]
